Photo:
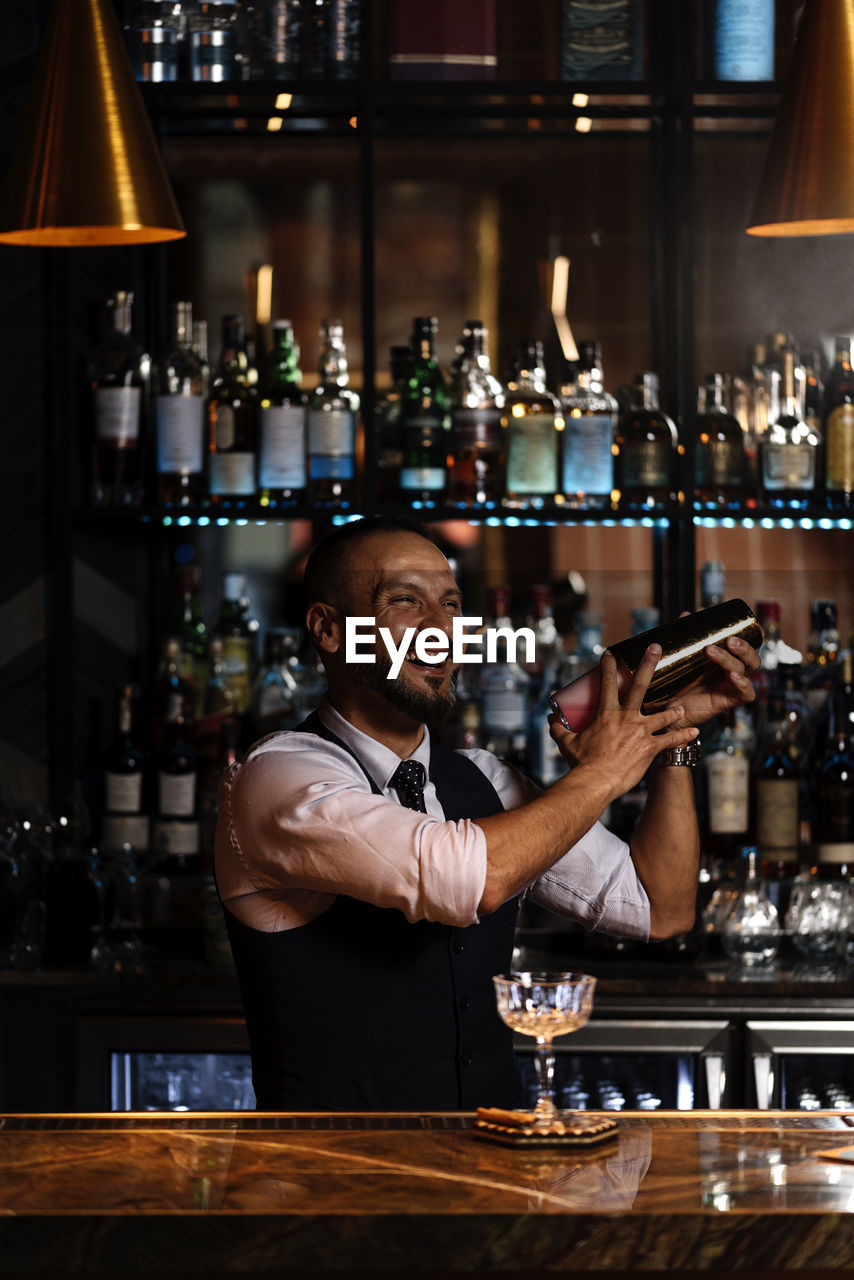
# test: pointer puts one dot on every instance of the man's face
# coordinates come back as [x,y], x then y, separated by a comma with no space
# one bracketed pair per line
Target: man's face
[403,581]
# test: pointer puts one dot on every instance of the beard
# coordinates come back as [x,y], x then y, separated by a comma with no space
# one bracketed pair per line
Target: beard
[425,707]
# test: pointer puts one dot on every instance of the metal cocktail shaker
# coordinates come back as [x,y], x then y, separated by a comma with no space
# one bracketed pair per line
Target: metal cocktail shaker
[682,665]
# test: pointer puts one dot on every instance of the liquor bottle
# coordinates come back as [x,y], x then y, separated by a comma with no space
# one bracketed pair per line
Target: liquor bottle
[118,376]
[739,39]
[601,40]
[813,404]
[424,421]
[504,688]
[275,693]
[711,583]
[237,631]
[387,425]
[833,851]
[775,651]
[645,451]
[823,640]
[333,39]
[590,414]
[755,405]
[125,819]
[213,40]
[727,768]
[187,623]
[839,429]
[233,421]
[776,794]
[169,683]
[179,408]
[153,35]
[479,463]
[275,39]
[788,452]
[281,423]
[331,425]
[533,420]
[445,41]
[176,823]
[719,460]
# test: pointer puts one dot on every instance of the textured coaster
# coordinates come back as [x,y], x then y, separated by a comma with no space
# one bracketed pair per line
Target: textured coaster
[519,1129]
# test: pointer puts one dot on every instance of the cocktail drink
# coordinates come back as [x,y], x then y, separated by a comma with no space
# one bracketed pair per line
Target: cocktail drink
[544,1005]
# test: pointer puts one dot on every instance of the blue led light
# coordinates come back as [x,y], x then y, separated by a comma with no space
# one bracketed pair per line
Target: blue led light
[222,521]
[203,521]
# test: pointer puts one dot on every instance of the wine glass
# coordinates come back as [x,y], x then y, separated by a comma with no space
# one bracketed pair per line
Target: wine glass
[544,1005]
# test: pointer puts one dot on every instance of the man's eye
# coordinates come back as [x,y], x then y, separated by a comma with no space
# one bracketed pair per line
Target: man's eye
[453,604]
[403,600]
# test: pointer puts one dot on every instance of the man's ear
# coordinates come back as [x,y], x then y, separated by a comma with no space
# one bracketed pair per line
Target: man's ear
[326,627]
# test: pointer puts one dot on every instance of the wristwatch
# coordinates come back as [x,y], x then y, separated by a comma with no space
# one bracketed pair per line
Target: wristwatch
[689,755]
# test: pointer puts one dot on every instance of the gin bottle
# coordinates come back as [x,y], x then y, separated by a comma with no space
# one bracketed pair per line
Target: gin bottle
[590,414]
[331,425]
[533,421]
[479,466]
[281,423]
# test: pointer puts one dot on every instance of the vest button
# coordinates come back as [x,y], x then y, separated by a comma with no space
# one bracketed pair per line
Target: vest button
[465,1003]
[458,947]
[466,1059]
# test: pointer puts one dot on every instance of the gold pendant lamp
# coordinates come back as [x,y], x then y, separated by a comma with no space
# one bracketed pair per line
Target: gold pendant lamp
[807,187]
[86,169]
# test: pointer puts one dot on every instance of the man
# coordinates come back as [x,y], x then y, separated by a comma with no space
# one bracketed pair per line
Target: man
[367,913]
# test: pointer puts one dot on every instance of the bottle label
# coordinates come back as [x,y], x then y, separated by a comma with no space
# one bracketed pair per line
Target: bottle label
[729,793]
[744,40]
[180,434]
[236,665]
[432,478]
[226,429]
[588,464]
[176,839]
[281,448]
[331,433]
[117,415]
[835,853]
[839,442]
[120,829]
[176,794]
[777,813]
[788,466]
[232,473]
[123,792]
[532,454]
[647,464]
[476,426]
[719,462]
[505,710]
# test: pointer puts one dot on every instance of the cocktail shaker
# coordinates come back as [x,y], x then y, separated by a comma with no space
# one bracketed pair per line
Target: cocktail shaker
[682,665]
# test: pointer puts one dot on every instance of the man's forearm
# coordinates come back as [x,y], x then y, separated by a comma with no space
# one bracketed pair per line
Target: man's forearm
[665,849]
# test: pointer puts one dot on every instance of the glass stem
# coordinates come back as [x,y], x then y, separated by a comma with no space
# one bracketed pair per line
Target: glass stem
[545,1062]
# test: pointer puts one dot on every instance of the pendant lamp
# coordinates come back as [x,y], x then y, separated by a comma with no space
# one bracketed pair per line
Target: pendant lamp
[86,169]
[807,187]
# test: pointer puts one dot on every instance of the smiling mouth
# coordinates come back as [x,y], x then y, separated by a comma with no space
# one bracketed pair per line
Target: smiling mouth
[436,668]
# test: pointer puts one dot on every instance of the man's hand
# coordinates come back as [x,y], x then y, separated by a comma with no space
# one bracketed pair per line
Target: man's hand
[728,685]
[621,741]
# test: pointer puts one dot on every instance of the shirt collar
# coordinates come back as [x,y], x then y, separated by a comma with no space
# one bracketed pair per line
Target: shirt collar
[380,761]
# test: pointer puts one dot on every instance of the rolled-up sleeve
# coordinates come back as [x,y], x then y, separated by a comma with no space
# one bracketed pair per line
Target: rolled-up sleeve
[302,816]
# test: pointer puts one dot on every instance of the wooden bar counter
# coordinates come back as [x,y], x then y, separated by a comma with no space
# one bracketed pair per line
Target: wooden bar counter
[253,1193]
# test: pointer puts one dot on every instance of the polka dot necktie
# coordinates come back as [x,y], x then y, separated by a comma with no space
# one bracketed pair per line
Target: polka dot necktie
[408,782]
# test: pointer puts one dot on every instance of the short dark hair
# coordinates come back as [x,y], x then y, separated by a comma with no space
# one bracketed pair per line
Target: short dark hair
[327,569]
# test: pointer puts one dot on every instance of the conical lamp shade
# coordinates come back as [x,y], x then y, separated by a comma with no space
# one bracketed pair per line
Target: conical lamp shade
[807,188]
[86,169]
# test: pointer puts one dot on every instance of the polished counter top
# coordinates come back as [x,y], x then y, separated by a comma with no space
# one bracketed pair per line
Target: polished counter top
[221,1193]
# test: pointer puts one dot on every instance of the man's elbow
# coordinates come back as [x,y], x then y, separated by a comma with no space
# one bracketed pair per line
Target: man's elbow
[665,924]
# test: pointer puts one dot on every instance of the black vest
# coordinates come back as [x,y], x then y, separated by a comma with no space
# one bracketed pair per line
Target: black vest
[361,1010]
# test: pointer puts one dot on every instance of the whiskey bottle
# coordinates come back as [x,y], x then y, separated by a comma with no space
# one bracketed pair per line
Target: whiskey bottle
[387,425]
[424,421]
[590,414]
[180,379]
[238,632]
[645,451]
[839,429]
[233,421]
[118,376]
[813,404]
[533,421]
[776,794]
[479,463]
[281,424]
[169,682]
[788,452]
[727,769]
[125,818]
[833,853]
[719,460]
[331,425]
